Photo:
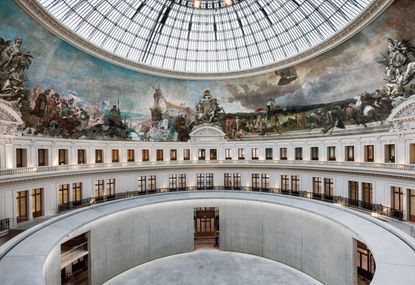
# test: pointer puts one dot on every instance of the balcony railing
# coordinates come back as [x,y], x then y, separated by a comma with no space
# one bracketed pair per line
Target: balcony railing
[4,225]
[377,209]
[69,255]
[75,167]
[370,208]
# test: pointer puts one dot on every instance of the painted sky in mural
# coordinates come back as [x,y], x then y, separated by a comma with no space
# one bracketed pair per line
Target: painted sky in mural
[340,74]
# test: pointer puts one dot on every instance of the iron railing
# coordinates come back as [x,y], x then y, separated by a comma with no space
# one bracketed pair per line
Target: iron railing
[374,209]
[362,205]
[4,224]
[114,165]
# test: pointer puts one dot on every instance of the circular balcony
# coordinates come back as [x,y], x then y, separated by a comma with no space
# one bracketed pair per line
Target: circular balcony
[310,236]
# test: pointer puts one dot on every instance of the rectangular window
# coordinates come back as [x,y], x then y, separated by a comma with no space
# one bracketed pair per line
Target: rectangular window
[255,182]
[21,157]
[130,155]
[412,153]
[37,202]
[369,153]
[42,157]
[298,153]
[186,154]
[283,153]
[99,156]
[172,182]
[145,155]
[159,155]
[265,182]
[201,154]
[411,206]
[228,154]
[295,183]
[390,153]
[200,183]
[213,154]
[62,156]
[367,194]
[349,153]
[353,193]
[99,189]
[77,192]
[227,181]
[142,184]
[241,153]
[152,186]
[268,154]
[81,156]
[173,154]
[314,153]
[331,153]
[317,187]
[182,182]
[285,183]
[21,206]
[209,181]
[237,181]
[328,188]
[397,198]
[115,155]
[254,153]
[63,194]
[111,187]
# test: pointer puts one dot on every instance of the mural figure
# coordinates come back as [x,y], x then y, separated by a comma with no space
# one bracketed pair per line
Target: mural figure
[13,63]
[287,76]
[46,111]
[207,109]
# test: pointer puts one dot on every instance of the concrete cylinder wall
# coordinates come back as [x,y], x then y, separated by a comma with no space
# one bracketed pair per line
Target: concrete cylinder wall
[124,240]
[307,242]
[314,245]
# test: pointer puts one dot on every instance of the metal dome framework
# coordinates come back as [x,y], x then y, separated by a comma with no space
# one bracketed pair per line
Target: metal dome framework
[215,38]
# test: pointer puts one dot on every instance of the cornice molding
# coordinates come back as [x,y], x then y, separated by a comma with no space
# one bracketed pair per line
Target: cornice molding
[32,8]
[403,116]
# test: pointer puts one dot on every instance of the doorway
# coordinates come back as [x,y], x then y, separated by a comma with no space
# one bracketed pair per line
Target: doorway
[206,228]
[365,263]
[411,206]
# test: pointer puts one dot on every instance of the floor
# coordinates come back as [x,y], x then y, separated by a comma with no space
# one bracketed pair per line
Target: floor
[11,234]
[205,243]
[207,267]
[78,279]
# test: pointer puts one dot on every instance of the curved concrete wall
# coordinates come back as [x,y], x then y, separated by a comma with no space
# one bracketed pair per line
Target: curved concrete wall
[314,245]
[124,240]
[307,242]
[313,237]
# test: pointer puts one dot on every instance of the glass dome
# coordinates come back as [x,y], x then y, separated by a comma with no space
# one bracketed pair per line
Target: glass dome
[205,36]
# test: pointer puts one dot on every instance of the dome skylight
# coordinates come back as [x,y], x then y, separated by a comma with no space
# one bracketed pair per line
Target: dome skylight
[205,36]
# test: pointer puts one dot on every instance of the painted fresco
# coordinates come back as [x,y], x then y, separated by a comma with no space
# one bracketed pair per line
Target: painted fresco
[61,91]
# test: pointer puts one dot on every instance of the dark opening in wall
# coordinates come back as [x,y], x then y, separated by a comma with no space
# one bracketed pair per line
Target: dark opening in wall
[75,261]
[206,228]
[365,263]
